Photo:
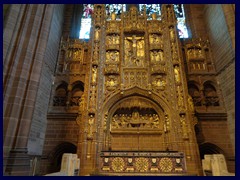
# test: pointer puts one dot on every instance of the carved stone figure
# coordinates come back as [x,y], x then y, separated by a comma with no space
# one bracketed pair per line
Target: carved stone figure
[94,74]
[177,74]
[184,126]
[113,16]
[81,104]
[190,103]
[90,127]
[172,33]
[97,32]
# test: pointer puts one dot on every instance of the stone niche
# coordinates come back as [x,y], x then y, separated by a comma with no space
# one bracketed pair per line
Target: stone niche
[132,122]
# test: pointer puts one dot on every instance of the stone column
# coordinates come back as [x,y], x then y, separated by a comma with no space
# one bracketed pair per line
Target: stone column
[25,39]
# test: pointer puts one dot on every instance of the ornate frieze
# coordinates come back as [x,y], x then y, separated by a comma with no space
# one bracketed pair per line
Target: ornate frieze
[143,162]
[135,121]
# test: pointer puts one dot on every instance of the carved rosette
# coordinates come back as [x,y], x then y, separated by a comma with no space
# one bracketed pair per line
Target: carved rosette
[90,127]
[118,164]
[166,165]
[142,164]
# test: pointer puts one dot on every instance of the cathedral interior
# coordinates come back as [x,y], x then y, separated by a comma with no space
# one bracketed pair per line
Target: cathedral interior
[132,89]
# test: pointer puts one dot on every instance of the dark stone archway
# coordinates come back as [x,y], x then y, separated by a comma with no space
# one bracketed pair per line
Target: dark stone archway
[209,148]
[56,155]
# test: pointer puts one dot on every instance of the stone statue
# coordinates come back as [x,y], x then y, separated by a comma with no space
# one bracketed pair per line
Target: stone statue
[190,103]
[97,32]
[94,74]
[177,74]
[90,127]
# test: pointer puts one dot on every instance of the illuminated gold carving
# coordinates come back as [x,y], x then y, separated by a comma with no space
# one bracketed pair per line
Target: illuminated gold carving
[184,126]
[111,69]
[166,165]
[105,121]
[94,75]
[97,33]
[112,56]
[113,27]
[113,16]
[142,164]
[155,41]
[135,77]
[133,21]
[112,42]
[111,83]
[159,83]
[135,120]
[166,124]
[90,127]
[118,164]
[158,69]
[190,103]
[154,16]
[177,74]
[172,33]
[134,50]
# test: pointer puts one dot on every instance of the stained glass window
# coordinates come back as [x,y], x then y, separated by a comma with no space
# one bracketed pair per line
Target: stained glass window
[151,8]
[86,21]
[181,22]
[117,8]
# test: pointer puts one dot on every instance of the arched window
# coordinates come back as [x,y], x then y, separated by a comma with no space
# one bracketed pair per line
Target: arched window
[181,22]
[117,8]
[86,21]
[179,12]
[151,8]
[60,97]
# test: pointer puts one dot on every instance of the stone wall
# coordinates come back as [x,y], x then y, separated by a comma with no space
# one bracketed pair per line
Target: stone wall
[215,132]
[220,25]
[58,132]
[39,121]
[195,20]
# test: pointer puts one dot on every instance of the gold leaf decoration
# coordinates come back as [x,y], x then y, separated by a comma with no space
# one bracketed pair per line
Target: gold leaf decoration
[166,165]
[142,164]
[118,164]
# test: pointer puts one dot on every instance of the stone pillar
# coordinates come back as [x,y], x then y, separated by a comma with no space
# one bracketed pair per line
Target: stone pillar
[25,39]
